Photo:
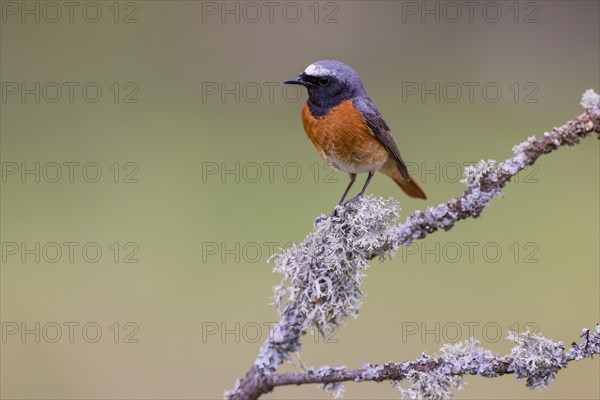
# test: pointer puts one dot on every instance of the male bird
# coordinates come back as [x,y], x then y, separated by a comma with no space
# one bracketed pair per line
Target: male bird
[346,128]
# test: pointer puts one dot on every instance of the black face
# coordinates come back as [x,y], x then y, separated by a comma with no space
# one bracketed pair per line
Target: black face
[324,92]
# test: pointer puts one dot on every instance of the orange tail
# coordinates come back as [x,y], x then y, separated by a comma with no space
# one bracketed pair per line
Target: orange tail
[411,188]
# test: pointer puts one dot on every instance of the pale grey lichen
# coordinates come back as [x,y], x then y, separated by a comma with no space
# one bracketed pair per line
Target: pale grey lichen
[335,389]
[443,217]
[474,174]
[432,384]
[590,344]
[370,372]
[513,165]
[476,200]
[482,180]
[322,277]
[468,358]
[536,358]
[523,146]
[591,101]
[456,360]
[285,340]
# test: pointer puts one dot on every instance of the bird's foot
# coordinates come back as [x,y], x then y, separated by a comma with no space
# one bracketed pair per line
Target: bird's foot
[339,210]
[353,200]
[336,211]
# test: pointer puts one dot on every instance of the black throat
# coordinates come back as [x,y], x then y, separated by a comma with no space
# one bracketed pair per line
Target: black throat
[319,110]
[320,105]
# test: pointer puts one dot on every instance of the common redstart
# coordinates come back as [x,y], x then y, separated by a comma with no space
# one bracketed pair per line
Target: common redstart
[346,128]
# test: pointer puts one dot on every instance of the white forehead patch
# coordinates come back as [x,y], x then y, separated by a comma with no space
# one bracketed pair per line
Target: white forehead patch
[317,70]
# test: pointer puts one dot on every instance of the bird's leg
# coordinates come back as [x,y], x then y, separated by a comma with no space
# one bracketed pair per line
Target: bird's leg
[363,189]
[366,184]
[352,179]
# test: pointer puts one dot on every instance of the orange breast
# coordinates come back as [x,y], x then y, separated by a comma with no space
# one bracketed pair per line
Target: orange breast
[344,140]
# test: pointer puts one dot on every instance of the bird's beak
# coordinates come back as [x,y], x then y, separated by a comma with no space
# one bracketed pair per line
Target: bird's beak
[296,81]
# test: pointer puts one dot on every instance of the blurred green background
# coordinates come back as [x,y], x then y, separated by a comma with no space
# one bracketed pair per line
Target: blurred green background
[201,178]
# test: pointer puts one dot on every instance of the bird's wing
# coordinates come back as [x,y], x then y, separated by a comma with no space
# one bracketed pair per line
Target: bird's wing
[381,131]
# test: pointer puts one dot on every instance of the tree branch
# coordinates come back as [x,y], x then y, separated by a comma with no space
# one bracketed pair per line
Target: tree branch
[534,357]
[322,281]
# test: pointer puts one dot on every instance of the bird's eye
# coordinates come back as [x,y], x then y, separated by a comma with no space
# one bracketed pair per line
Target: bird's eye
[323,81]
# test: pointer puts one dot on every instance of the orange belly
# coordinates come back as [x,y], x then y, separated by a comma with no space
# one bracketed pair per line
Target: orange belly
[344,140]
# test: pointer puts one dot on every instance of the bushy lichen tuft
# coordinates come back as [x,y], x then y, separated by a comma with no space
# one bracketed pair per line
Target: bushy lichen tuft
[456,360]
[322,277]
[590,345]
[591,101]
[536,358]
[432,384]
[335,389]
[468,358]
[370,372]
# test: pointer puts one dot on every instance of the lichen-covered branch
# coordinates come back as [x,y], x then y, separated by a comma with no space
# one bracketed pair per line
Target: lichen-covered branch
[322,277]
[533,358]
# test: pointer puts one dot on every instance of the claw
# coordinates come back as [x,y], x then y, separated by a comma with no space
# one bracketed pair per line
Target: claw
[352,200]
[334,213]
